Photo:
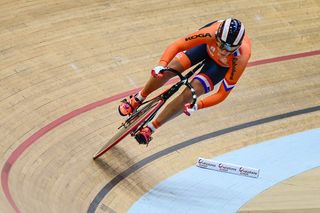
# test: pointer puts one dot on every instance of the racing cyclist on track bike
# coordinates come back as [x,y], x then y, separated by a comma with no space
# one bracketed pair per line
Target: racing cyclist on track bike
[225,49]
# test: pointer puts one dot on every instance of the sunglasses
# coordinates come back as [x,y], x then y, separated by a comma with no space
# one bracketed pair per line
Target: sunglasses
[225,46]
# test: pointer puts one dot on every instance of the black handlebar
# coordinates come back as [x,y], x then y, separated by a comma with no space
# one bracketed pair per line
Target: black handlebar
[184,80]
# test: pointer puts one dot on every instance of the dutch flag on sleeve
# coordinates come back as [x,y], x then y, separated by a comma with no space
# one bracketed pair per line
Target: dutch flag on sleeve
[227,86]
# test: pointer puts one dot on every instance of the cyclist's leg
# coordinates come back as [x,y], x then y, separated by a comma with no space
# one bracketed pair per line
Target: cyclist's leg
[181,62]
[210,75]
[175,107]
[185,59]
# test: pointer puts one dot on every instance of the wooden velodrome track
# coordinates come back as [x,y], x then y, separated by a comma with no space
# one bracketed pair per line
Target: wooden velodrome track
[60,58]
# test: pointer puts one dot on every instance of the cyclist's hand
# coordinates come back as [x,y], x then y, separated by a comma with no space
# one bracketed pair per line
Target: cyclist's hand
[188,109]
[157,71]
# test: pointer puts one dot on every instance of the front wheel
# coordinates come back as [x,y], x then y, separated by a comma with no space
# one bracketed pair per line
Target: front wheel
[131,125]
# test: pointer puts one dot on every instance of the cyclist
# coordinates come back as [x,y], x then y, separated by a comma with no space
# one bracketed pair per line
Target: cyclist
[223,46]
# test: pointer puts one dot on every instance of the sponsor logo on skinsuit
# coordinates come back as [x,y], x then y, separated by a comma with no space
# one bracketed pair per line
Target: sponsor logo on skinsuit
[233,71]
[212,49]
[201,35]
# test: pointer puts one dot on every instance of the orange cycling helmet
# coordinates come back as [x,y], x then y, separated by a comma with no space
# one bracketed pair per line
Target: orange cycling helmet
[230,34]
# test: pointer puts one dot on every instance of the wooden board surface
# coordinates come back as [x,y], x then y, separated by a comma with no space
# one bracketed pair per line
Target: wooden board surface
[58,56]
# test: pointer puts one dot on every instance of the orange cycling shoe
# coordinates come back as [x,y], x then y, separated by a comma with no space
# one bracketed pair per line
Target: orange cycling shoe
[126,107]
[144,135]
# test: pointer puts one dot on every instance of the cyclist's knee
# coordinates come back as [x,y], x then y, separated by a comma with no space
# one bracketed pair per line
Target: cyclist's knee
[187,95]
[197,85]
[180,62]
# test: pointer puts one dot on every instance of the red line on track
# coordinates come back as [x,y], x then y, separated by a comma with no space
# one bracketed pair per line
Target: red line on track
[284,58]
[33,138]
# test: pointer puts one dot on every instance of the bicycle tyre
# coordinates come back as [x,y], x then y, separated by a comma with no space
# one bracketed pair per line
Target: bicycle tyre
[140,116]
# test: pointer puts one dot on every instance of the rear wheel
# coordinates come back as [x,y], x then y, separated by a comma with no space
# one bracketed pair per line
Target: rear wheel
[131,124]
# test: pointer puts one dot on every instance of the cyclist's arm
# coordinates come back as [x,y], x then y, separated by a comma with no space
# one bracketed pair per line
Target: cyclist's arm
[213,99]
[202,36]
[227,84]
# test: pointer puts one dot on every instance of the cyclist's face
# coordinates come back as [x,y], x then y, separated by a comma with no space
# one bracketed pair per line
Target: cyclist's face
[223,52]
[225,49]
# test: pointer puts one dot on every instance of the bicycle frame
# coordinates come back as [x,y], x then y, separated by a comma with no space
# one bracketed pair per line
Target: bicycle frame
[168,93]
[147,111]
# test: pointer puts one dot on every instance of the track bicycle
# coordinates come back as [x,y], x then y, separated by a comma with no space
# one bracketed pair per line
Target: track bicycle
[148,109]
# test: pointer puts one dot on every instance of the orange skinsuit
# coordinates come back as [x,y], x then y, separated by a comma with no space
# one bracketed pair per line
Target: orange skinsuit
[236,62]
